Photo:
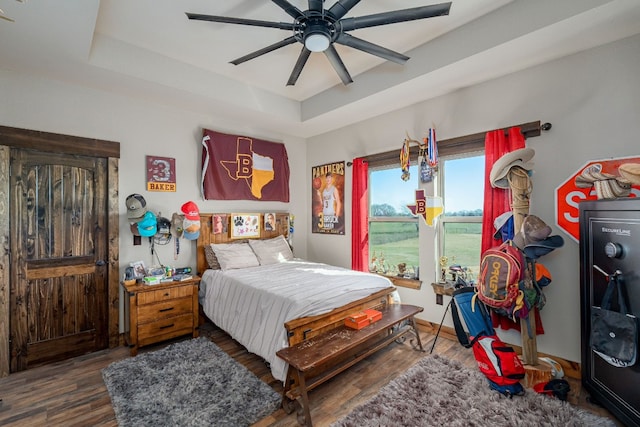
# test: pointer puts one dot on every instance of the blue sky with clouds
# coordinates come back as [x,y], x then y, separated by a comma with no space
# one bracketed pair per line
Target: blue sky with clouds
[465,186]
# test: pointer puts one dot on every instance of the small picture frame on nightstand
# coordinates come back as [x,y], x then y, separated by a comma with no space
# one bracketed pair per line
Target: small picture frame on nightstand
[139,270]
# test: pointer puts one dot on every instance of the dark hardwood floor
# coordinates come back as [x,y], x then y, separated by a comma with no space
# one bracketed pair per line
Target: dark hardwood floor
[72,393]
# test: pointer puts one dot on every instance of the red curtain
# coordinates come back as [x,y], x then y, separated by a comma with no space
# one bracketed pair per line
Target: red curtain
[360,216]
[496,200]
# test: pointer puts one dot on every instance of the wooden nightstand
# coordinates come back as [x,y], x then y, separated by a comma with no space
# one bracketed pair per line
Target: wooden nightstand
[154,313]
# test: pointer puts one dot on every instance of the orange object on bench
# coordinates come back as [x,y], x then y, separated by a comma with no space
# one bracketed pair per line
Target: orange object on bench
[362,318]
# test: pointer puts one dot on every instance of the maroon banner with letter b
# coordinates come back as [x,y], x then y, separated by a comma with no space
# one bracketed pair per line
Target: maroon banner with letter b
[242,168]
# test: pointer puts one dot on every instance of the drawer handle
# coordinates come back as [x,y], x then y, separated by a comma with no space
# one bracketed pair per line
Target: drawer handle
[166,294]
[168,326]
[165,309]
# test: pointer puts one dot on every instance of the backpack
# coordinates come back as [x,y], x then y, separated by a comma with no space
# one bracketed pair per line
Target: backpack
[501,270]
[500,364]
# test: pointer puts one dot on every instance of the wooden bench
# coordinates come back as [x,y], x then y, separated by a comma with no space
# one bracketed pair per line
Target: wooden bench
[316,360]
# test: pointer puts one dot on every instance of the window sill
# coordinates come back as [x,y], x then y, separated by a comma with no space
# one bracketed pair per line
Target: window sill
[404,282]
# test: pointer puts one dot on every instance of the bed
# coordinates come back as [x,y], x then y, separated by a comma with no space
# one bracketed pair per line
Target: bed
[267,307]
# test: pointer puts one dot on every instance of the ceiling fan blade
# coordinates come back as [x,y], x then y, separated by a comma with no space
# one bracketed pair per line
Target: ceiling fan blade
[297,69]
[259,52]
[293,11]
[341,8]
[374,49]
[395,16]
[315,6]
[338,65]
[241,21]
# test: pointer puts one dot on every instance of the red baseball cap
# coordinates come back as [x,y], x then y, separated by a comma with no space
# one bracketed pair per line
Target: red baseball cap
[190,211]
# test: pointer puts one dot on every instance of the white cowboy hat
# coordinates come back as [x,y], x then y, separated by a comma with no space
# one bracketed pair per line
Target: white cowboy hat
[501,167]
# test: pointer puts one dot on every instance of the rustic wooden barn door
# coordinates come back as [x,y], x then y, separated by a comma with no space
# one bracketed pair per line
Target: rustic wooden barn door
[58,300]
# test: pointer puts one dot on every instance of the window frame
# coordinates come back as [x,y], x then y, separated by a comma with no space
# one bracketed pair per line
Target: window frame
[445,219]
[413,283]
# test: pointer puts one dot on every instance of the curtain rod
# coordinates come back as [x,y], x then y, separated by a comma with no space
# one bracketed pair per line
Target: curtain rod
[529,130]
[466,143]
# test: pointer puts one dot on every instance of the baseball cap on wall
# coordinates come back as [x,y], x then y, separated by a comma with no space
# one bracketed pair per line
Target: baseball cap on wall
[136,206]
[503,225]
[191,229]
[537,249]
[164,225]
[149,225]
[191,211]
[177,222]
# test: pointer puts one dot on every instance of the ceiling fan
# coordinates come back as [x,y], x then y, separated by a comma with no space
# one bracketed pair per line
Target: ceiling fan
[5,17]
[318,29]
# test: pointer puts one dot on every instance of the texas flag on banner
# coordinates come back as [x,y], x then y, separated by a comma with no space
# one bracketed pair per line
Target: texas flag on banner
[242,168]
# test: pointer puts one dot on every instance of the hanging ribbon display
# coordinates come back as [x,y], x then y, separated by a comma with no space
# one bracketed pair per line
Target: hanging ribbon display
[426,171]
[404,160]
[432,148]
[428,157]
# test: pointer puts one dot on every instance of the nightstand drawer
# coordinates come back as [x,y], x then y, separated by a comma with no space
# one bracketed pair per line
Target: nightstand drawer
[164,294]
[162,310]
[154,313]
[166,328]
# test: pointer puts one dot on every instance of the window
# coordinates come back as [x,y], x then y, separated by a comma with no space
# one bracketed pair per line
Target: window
[460,227]
[393,231]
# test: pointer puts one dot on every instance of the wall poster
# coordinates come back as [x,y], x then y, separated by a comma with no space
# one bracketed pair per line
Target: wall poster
[327,198]
[161,174]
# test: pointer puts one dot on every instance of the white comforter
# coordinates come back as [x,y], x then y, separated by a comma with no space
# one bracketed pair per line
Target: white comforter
[252,304]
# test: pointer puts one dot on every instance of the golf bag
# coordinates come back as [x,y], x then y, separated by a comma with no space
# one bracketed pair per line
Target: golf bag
[475,314]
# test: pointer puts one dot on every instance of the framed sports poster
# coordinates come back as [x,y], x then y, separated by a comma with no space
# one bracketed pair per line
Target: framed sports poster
[327,198]
[245,226]
[161,174]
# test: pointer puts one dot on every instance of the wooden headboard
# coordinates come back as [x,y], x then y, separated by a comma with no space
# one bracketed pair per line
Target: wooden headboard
[207,235]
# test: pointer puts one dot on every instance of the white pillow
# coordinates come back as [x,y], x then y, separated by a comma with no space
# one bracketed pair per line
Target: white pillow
[234,255]
[271,251]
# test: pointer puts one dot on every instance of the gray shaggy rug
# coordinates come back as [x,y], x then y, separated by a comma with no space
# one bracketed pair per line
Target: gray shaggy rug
[189,383]
[441,392]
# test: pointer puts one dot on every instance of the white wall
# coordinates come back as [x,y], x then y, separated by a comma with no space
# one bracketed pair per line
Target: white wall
[144,128]
[593,101]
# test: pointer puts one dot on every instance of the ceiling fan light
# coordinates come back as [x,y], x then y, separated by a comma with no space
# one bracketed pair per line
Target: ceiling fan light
[317,42]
